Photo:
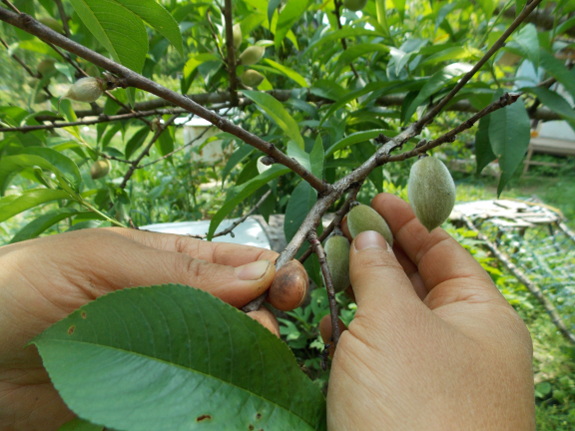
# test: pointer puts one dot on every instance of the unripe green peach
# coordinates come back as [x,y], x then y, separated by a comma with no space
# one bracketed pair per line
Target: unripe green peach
[363,217]
[237,35]
[46,66]
[252,54]
[52,23]
[100,168]
[354,5]
[431,191]
[251,78]
[86,90]
[337,255]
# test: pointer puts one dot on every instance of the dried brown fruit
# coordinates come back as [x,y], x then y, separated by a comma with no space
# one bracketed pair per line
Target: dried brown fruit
[363,217]
[290,286]
[431,191]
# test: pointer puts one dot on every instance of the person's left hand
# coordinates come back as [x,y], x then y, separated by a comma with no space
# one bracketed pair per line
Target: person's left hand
[43,280]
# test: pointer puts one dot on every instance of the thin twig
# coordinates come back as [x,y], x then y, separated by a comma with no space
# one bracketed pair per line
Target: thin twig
[427,118]
[135,163]
[333,309]
[231,51]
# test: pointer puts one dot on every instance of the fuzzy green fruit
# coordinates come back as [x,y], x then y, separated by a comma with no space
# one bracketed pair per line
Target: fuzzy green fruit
[337,255]
[354,5]
[237,35]
[86,90]
[251,78]
[363,217]
[252,54]
[100,168]
[431,191]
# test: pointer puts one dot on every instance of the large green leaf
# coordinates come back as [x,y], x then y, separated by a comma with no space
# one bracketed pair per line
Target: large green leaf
[509,134]
[45,221]
[483,152]
[175,358]
[276,111]
[290,73]
[118,29]
[15,204]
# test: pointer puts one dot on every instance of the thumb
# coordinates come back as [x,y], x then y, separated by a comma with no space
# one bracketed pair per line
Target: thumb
[236,285]
[377,278]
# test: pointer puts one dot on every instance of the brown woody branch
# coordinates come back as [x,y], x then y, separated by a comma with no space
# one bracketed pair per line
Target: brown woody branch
[130,78]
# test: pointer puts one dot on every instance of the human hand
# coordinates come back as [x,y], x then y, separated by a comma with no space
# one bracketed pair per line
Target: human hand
[44,280]
[434,345]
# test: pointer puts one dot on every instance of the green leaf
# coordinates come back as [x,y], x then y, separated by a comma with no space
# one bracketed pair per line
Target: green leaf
[483,152]
[359,50]
[276,111]
[557,69]
[64,169]
[352,95]
[290,73]
[355,138]
[15,204]
[118,29]
[175,358]
[301,200]
[157,17]
[438,81]
[509,134]
[80,425]
[528,43]
[288,16]
[553,101]
[239,193]
[45,221]
[317,157]
[136,141]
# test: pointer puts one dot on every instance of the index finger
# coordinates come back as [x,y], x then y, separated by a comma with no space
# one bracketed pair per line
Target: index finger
[437,256]
[215,252]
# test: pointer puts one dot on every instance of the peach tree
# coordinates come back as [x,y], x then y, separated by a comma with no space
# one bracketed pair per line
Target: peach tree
[315,103]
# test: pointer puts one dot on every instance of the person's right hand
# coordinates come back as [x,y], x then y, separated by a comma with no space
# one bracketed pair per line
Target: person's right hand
[434,345]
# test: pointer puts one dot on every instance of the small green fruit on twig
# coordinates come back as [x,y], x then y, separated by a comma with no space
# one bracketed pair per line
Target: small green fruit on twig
[86,90]
[431,191]
[363,217]
[237,35]
[337,255]
[354,5]
[251,78]
[100,168]
[252,54]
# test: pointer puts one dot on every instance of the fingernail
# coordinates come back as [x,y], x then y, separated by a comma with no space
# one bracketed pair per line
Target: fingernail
[369,239]
[253,270]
